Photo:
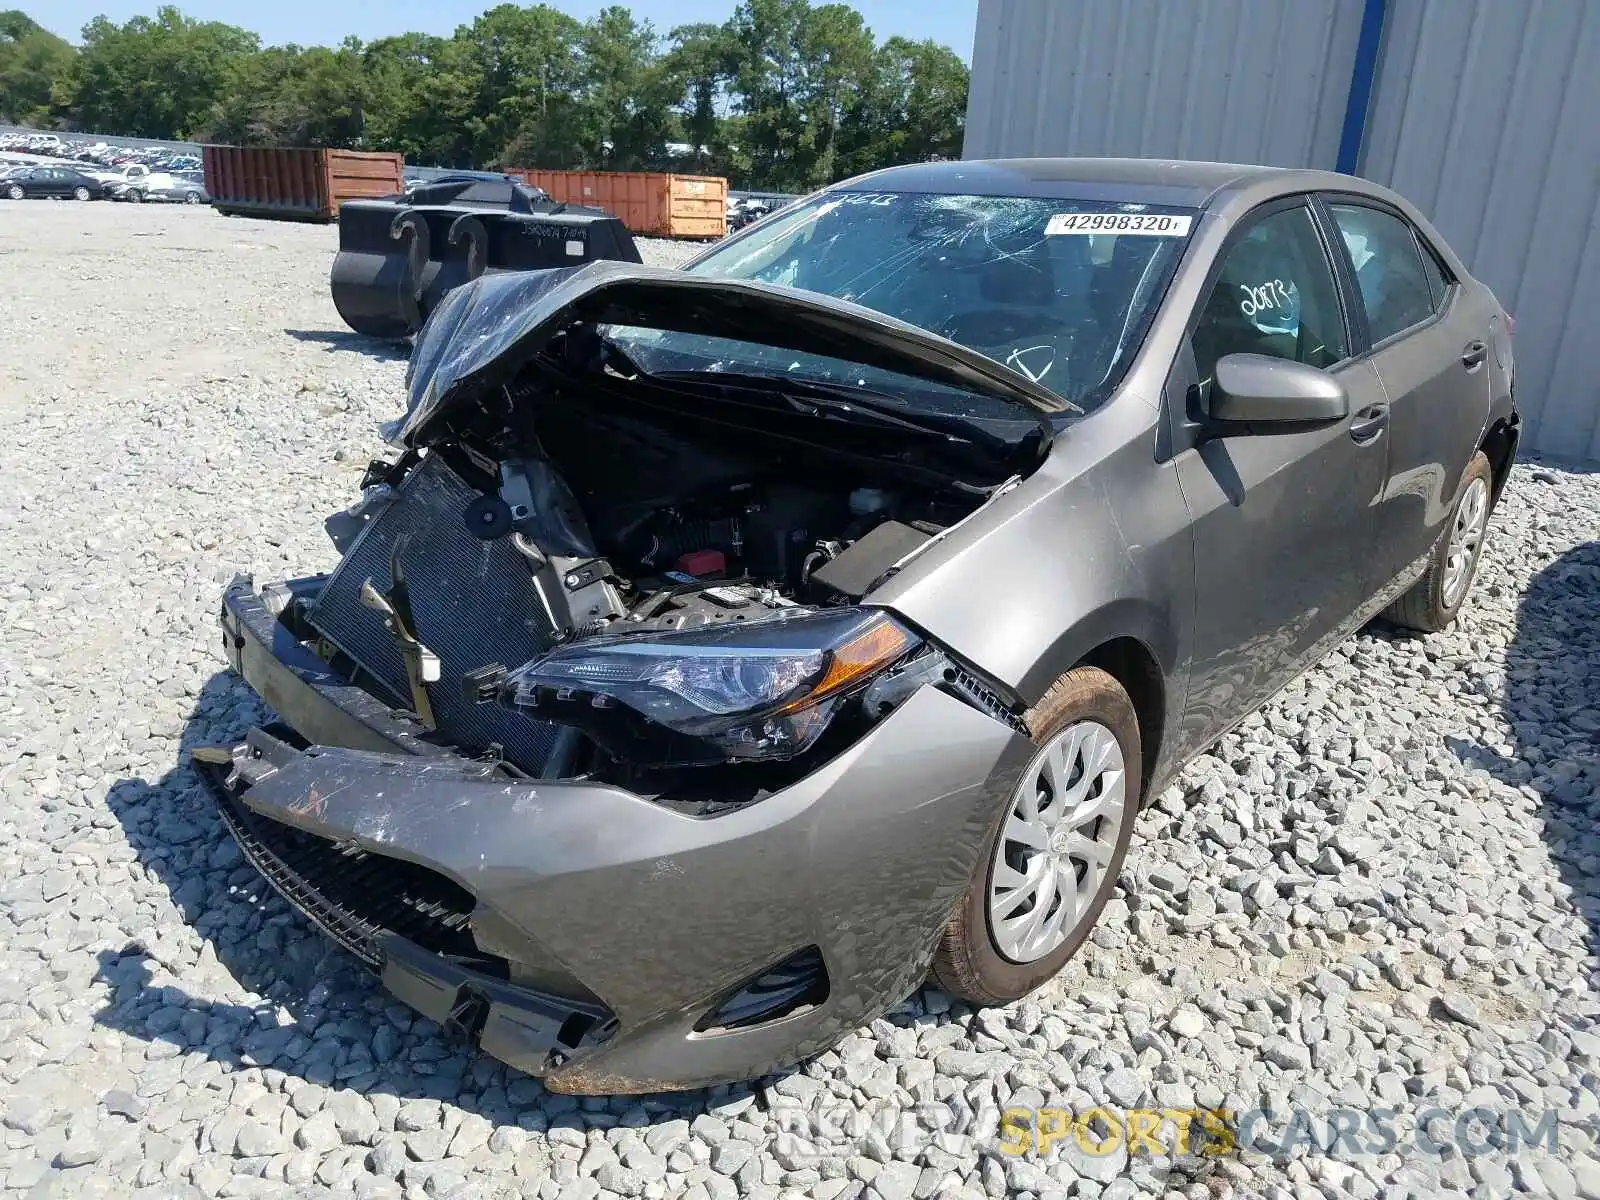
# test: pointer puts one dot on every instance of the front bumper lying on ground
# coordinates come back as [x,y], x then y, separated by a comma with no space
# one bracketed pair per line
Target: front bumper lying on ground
[584,933]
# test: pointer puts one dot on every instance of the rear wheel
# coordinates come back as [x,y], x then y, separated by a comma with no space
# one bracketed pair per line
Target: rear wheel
[135,196]
[1052,858]
[191,197]
[81,193]
[1437,598]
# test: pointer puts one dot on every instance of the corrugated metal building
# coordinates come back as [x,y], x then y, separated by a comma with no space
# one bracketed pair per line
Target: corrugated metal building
[1485,113]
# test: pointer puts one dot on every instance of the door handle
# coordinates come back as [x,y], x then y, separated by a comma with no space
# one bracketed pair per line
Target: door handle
[1473,354]
[1369,423]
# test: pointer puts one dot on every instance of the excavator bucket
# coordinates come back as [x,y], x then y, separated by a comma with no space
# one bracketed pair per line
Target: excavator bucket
[399,255]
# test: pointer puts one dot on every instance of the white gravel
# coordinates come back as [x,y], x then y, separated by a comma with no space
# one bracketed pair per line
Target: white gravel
[1382,892]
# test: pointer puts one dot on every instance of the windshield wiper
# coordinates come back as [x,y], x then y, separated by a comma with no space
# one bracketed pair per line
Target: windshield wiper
[883,408]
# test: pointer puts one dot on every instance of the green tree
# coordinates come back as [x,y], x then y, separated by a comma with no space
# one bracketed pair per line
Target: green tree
[288,96]
[912,108]
[31,60]
[796,75]
[785,94]
[418,96]
[523,73]
[694,73]
[156,77]
[626,93]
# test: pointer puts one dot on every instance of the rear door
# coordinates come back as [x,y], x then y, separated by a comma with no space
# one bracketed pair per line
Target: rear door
[1430,344]
[1283,521]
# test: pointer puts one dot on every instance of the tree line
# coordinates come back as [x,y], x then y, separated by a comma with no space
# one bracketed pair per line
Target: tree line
[784,95]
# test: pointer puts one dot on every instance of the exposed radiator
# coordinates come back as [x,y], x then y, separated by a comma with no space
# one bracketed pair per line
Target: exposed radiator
[472,601]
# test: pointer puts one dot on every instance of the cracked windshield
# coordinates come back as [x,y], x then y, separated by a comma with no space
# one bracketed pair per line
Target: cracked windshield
[1060,291]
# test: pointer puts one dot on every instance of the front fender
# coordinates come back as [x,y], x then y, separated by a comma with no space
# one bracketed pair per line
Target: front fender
[1094,547]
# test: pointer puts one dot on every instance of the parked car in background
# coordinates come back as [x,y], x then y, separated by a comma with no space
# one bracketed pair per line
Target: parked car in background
[745,212]
[64,183]
[126,173]
[912,539]
[163,187]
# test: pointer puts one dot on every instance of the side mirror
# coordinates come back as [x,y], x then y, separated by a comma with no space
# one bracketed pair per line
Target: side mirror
[1256,389]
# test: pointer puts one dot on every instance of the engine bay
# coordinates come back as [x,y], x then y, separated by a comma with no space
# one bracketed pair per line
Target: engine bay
[634,522]
[752,547]
[559,576]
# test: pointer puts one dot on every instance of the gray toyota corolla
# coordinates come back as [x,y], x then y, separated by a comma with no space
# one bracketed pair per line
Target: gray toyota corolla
[724,652]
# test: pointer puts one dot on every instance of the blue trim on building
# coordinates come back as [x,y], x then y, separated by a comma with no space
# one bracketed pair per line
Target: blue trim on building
[1361,78]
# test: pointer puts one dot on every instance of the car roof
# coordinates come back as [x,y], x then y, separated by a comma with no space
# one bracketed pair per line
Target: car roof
[1178,182]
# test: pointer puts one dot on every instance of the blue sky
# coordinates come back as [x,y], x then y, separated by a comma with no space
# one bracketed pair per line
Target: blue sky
[312,22]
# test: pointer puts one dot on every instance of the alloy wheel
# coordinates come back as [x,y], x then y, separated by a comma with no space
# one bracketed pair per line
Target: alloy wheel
[1466,539]
[1060,835]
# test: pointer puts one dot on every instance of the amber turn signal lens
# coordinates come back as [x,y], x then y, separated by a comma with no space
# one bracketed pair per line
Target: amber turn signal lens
[875,647]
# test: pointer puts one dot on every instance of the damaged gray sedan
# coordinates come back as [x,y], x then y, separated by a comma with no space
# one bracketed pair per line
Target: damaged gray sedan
[722,653]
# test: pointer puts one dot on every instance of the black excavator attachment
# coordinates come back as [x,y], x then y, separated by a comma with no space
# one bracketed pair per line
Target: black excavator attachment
[399,255]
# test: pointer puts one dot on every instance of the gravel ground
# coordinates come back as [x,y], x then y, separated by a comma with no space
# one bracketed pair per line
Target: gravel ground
[1381,893]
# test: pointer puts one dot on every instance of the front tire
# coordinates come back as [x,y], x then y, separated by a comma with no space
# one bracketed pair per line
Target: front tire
[1052,858]
[135,196]
[15,192]
[1436,599]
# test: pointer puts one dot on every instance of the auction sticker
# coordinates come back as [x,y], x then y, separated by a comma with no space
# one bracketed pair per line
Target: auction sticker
[1143,224]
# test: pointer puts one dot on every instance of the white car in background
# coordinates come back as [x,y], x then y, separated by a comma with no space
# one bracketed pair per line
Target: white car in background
[115,176]
[185,187]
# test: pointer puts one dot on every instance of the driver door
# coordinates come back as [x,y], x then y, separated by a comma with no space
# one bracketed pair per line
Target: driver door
[1283,520]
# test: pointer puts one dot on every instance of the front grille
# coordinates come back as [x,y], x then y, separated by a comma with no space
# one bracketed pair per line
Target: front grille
[354,896]
[472,601]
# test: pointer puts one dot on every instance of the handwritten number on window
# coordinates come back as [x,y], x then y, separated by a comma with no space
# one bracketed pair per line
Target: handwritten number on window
[1270,295]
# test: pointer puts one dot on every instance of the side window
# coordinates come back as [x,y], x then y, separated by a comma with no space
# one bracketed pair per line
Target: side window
[1275,295]
[1389,272]
[1438,281]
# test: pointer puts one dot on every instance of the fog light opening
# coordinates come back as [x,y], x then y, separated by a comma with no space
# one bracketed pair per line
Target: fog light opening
[798,983]
[468,1014]
[582,1030]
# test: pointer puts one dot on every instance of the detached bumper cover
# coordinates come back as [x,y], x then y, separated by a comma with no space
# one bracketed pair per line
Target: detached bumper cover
[609,911]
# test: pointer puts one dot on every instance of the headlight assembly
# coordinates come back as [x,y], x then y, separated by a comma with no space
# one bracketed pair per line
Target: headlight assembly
[762,690]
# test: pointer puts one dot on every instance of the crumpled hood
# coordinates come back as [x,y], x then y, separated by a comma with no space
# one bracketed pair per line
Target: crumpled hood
[485,331]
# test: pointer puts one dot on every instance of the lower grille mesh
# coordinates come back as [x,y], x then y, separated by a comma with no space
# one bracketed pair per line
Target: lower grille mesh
[472,601]
[355,896]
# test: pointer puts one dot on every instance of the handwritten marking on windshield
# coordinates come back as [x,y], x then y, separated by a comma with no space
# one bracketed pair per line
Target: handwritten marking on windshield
[1017,361]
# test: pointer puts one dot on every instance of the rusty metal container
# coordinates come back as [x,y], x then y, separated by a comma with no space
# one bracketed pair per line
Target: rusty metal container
[651,204]
[297,183]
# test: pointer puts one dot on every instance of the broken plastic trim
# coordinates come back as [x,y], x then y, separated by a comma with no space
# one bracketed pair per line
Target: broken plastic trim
[783,989]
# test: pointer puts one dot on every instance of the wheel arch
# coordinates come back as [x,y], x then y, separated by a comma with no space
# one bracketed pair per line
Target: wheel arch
[1499,446]
[1130,641]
